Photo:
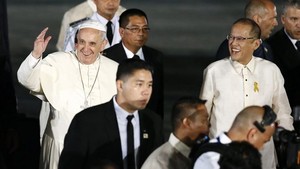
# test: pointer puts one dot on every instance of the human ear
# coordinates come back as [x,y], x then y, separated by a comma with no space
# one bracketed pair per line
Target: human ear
[256,19]
[186,122]
[121,31]
[257,43]
[103,44]
[282,19]
[119,84]
[251,135]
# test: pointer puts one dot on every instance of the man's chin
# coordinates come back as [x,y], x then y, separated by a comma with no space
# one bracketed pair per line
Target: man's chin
[141,107]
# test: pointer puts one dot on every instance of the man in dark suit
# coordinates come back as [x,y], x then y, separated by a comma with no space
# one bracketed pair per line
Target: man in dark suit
[134,30]
[287,53]
[99,133]
[263,12]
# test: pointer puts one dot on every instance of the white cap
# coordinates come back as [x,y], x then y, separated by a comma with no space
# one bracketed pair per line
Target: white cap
[92,24]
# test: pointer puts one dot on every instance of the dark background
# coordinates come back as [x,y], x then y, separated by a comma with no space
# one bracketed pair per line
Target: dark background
[188,32]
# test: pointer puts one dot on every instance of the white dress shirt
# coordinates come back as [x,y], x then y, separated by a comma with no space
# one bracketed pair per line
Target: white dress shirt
[122,124]
[227,91]
[229,87]
[130,55]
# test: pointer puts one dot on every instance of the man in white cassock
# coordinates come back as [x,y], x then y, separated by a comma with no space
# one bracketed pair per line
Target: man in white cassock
[69,81]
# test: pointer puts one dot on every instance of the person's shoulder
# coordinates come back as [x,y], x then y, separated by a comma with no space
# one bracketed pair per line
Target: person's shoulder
[78,13]
[149,117]
[207,160]
[153,55]
[78,7]
[109,62]
[276,37]
[219,64]
[150,114]
[265,64]
[159,158]
[93,111]
[112,48]
[120,10]
[59,56]
[161,151]
[151,49]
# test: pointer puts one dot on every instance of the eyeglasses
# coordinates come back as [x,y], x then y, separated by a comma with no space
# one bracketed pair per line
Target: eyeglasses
[138,29]
[238,38]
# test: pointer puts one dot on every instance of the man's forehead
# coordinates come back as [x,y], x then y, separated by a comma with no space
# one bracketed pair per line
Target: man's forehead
[137,74]
[241,28]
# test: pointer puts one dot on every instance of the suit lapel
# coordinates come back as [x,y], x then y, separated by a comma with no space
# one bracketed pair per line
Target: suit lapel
[291,57]
[143,137]
[112,127]
[122,52]
[147,54]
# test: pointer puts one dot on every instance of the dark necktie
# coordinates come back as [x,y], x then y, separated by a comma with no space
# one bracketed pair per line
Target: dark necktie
[136,57]
[130,144]
[109,33]
[298,45]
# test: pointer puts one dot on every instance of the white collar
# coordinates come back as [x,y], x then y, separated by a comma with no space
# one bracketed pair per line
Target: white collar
[180,146]
[121,113]
[291,39]
[129,54]
[238,66]
[104,21]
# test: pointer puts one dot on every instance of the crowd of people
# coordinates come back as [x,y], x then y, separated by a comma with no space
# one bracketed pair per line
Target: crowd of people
[102,93]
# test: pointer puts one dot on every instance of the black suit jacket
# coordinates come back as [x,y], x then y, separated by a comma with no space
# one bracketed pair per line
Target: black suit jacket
[154,58]
[263,51]
[94,135]
[287,59]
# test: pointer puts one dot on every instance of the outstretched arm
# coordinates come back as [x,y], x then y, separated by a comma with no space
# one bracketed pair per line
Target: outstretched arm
[28,73]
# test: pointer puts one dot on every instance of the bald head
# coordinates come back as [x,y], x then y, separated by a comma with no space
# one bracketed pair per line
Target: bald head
[255,7]
[245,119]
[254,124]
[263,12]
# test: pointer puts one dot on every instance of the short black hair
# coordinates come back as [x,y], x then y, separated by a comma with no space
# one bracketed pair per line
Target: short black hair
[128,66]
[182,108]
[255,29]
[124,17]
[240,154]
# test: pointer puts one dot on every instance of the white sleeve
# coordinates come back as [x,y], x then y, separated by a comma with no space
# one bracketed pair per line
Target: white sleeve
[28,73]
[281,103]
[207,160]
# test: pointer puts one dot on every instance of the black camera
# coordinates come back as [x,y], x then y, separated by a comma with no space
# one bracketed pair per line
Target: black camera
[287,146]
[286,136]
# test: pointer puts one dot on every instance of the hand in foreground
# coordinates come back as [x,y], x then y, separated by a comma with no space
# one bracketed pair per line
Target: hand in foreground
[40,44]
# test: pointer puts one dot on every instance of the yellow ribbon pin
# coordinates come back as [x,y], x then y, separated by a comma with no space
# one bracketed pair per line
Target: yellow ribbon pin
[256,89]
